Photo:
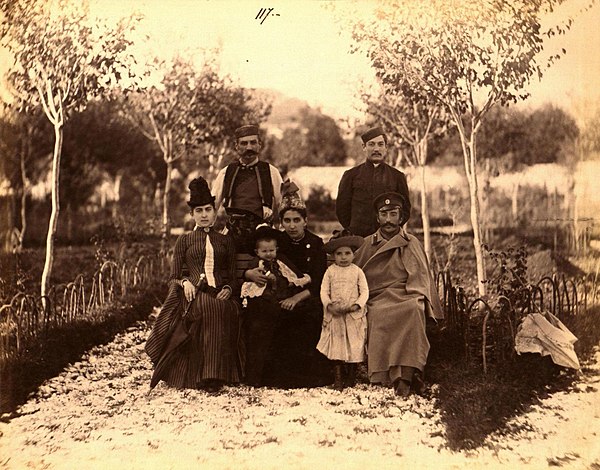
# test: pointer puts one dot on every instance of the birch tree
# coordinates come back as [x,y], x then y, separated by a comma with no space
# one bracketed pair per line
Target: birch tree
[192,110]
[62,59]
[177,115]
[467,56]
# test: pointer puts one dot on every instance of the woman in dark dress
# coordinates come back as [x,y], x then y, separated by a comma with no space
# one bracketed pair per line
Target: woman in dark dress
[200,305]
[293,360]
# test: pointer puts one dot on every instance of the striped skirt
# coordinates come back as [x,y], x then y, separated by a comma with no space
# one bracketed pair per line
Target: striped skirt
[215,349]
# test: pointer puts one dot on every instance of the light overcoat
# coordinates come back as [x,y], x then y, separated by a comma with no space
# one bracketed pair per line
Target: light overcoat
[401,294]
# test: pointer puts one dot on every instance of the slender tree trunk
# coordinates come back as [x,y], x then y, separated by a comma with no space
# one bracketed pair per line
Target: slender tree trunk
[515,203]
[469,148]
[398,159]
[117,201]
[570,212]
[24,186]
[425,215]
[211,164]
[53,224]
[470,160]
[476,217]
[421,159]
[165,215]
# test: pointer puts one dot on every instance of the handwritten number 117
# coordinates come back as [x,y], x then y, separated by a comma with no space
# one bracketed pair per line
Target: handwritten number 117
[264,13]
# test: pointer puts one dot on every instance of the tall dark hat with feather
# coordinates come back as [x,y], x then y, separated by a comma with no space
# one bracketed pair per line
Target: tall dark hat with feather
[200,193]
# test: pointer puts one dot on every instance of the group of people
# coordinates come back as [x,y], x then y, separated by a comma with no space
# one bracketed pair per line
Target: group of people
[292,321]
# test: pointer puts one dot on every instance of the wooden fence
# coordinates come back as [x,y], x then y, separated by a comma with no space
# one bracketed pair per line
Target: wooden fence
[28,317]
[486,332]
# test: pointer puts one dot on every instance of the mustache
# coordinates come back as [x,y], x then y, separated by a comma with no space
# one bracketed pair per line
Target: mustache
[388,224]
[250,152]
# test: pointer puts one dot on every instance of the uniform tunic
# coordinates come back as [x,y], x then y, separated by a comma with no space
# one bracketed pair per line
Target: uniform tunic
[358,187]
[215,350]
[401,294]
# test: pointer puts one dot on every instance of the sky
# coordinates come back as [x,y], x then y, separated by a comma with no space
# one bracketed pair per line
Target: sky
[298,48]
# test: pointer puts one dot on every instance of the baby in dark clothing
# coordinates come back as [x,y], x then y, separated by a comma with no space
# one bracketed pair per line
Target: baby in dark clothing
[262,302]
[284,279]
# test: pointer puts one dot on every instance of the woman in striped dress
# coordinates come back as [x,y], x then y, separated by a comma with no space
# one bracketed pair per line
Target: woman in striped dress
[201,283]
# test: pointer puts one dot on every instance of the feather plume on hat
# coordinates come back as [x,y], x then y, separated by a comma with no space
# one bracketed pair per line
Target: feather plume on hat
[200,194]
[290,197]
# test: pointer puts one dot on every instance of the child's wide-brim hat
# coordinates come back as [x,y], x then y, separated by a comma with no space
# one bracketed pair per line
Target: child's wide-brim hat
[353,241]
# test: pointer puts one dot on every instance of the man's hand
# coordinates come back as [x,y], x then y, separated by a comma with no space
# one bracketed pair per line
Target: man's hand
[256,275]
[267,213]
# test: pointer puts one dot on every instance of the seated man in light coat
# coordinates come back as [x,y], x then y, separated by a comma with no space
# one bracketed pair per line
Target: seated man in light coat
[402,296]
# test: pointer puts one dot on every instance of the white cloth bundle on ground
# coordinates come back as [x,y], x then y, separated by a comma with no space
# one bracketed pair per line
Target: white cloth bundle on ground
[547,335]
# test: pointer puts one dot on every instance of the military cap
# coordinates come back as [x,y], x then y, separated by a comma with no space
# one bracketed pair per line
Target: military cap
[245,131]
[392,200]
[372,133]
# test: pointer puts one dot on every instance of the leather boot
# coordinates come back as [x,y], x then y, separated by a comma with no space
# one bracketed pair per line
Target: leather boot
[351,374]
[402,388]
[338,377]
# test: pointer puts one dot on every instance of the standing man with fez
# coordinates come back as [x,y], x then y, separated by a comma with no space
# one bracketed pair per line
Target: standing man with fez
[249,189]
[361,184]
[402,296]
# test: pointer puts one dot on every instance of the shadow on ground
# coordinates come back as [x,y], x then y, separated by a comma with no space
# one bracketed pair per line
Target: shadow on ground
[473,405]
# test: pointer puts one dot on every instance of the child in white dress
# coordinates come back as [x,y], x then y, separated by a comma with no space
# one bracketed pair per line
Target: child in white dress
[344,294]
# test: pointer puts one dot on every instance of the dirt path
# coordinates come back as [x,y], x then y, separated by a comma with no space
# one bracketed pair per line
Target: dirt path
[98,414]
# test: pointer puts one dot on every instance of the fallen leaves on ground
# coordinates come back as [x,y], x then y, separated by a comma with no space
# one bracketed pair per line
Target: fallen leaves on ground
[98,414]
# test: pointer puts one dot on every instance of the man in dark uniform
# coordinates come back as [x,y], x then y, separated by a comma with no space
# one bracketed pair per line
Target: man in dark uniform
[249,189]
[360,185]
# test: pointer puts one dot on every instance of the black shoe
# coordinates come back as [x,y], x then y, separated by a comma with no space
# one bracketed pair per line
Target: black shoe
[338,377]
[418,386]
[213,386]
[402,388]
[351,374]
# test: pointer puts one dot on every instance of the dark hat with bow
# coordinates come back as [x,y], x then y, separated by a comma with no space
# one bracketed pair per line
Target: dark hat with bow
[265,232]
[343,238]
[199,193]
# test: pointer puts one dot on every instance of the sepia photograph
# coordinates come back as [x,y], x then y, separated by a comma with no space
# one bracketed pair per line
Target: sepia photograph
[305,234]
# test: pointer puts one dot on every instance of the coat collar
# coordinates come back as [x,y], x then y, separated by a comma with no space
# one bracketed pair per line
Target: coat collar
[381,245]
[398,240]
